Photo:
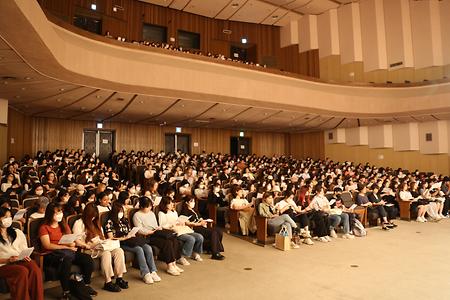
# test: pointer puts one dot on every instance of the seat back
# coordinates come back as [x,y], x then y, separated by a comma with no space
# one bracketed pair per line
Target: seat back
[17,225]
[347,199]
[33,233]
[14,203]
[179,207]
[131,215]
[104,217]
[29,202]
[72,219]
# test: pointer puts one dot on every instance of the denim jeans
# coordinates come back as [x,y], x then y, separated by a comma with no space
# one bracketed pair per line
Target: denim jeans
[144,256]
[192,242]
[276,223]
[342,219]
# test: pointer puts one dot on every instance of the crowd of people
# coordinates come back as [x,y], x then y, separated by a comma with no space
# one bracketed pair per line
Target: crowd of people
[173,47]
[142,202]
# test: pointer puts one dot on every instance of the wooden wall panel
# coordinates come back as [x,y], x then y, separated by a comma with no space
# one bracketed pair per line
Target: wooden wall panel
[410,160]
[311,144]
[3,144]
[128,23]
[33,134]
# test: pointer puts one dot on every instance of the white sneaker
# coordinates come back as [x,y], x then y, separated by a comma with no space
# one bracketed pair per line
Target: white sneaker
[155,277]
[173,271]
[323,239]
[183,261]
[348,236]
[294,245]
[148,278]
[308,241]
[425,219]
[333,233]
[328,238]
[179,269]
[420,220]
[442,216]
[197,257]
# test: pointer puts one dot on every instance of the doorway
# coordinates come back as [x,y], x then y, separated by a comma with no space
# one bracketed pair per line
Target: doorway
[174,142]
[246,52]
[100,142]
[240,145]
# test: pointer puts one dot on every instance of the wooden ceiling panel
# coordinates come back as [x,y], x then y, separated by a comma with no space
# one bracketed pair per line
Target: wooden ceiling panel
[113,106]
[178,4]
[183,111]
[296,4]
[145,108]
[275,16]
[287,18]
[229,10]
[317,7]
[206,8]
[253,11]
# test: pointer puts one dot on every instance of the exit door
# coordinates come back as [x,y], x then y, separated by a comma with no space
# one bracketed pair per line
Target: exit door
[100,142]
[174,142]
[240,146]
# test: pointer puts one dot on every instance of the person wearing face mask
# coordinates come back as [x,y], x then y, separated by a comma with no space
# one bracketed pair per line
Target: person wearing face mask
[165,240]
[38,190]
[217,198]
[24,277]
[73,206]
[212,236]
[89,224]
[118,227]
[63,256]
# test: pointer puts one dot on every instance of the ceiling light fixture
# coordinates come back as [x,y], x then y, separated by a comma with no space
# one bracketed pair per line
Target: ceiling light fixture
[28,78]
[62,89]
[275,17]
[235,5]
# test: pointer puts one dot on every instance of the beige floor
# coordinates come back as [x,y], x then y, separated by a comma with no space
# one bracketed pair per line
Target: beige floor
[411,262]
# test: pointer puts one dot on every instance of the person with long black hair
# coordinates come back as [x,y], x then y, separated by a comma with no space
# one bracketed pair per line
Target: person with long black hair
[24,277]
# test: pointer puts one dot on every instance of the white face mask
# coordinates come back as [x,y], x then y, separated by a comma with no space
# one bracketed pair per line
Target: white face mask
[39,192]
[6,222]
[192,204]
[132,191]
[69,176]
[59,217]
[216,190]
[120,215]
[110,196]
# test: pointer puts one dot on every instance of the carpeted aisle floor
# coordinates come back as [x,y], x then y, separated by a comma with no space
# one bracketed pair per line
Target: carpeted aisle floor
[410,262]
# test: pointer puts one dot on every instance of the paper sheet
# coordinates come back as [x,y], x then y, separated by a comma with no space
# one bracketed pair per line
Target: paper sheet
[70,238]
[157,201]
[25,253]
[353,206]
[133,231]
[19,214]
[332,201]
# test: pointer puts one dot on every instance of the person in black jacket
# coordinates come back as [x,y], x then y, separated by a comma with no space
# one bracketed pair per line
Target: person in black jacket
[213,235]
[217,198]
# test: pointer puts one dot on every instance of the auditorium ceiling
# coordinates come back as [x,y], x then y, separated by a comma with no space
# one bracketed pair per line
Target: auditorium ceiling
[37,95]
[268,12]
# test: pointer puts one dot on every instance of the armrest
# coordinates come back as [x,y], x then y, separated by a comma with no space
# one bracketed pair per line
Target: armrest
[405,206]
[261,229]
[38,257]
[212,212]
[233,216]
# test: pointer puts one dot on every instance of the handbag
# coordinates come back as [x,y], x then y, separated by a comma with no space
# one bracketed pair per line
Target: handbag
[182,229]
[164,234]
[105,245]
[137,241]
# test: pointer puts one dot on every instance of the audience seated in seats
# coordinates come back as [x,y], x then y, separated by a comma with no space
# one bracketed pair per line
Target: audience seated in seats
[212,235]
[89,224]
[436,201]
[374,203]
[246,211]
[192,241]
[277,218]
[414,196]
[217,198]
[118,227]
[24,277]
[62,256]
[165,240]
[37,211]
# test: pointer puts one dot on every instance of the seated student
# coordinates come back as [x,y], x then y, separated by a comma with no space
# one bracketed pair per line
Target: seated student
[192,241]
[62,256]
[168,244]
[246,212]
[276,221]
[73,206]
[391,210]
[436,203]
[103,202]
[214,235]
[118,227]
[299,215]
[201,193]
[37,211]
[89,224]
[414,196]
[376,204]
[216,197]
[24,277]
[335,218]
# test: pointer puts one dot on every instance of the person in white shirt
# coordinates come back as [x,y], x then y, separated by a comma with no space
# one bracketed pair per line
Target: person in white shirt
[89,224]
[167,243]
[104,202]
[246,212]
[24,277]
[192,241]
[414,196]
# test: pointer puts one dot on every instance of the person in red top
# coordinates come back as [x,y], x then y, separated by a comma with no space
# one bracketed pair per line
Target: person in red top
[62,256]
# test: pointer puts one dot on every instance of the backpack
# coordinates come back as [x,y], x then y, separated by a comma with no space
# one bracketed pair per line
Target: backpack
[78,289]
[358,228]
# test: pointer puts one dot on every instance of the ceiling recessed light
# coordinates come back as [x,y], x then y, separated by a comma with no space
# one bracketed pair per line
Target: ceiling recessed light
[62,89]
[141,102]
[28,78]
[23,88]
[83,108]
[234,5]
[98,96]
[275,17]
[58,100]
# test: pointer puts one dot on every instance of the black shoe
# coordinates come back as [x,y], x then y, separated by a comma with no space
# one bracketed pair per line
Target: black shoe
[393,225]
[385,227]
[122,283]
[65,296]
[92,292]
[111,287]
[218,256]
